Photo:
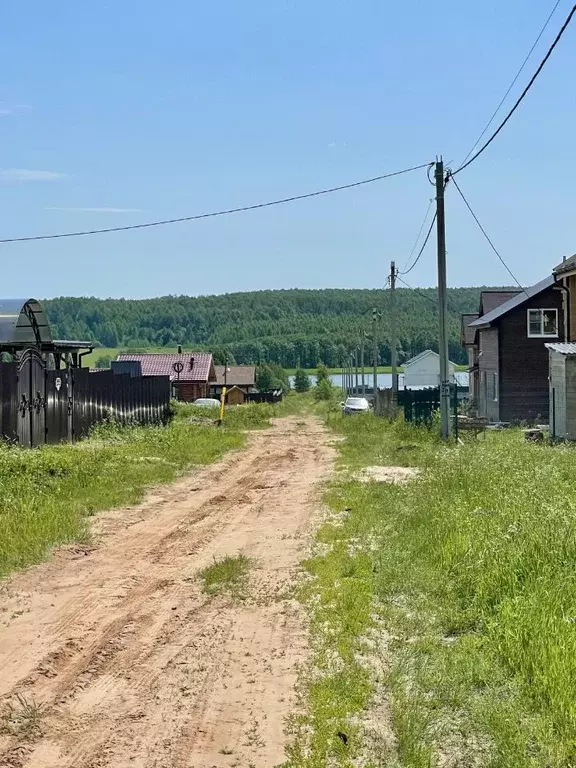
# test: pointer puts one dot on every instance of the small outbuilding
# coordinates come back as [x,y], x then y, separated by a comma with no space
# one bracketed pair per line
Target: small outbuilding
[562,390]
[424,370]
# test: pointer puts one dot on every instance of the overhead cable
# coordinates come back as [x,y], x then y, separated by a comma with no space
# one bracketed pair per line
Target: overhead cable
[512,275]
[522,95]
[424,244]
[419,233]
[424,295]
[214,214]
[513,83]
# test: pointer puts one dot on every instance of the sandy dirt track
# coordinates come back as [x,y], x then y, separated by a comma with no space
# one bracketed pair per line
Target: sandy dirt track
[132,664]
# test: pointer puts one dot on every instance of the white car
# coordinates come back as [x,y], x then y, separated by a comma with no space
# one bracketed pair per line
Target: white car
[207,402]
[355,405]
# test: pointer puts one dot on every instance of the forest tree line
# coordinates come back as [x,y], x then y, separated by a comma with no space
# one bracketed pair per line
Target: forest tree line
[289,327]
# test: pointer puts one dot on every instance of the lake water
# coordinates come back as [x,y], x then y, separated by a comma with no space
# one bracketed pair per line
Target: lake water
[384,379]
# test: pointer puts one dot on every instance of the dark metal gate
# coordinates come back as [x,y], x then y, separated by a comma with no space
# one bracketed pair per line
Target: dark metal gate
[31,428]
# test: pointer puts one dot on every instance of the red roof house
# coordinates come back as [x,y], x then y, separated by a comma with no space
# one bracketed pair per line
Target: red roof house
[190,372]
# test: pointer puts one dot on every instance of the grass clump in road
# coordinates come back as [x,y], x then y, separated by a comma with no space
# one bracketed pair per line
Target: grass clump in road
[226,575]
[459,588]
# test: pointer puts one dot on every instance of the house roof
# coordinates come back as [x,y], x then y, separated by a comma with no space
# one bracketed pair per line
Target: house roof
[568,265]
[516,301]
[468,334]
[196,366]
[422,355]
[489,300]
[237,375]
[563,348]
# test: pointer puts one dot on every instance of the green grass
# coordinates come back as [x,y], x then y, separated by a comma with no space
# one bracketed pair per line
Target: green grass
[226,575]
[47,495]
[466,578]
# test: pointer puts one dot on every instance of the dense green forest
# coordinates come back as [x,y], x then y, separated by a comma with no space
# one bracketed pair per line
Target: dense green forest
[289,327]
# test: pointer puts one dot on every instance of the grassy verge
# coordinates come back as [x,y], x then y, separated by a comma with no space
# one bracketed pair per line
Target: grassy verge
[445,608]
[47,495]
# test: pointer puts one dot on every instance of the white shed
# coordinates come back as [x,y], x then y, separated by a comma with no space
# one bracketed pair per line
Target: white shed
[562,380]
[424,370]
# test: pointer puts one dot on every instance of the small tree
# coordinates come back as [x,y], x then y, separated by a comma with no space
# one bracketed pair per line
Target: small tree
[322,373]
[264,378]
[301,381]
[323,390]
[103,361]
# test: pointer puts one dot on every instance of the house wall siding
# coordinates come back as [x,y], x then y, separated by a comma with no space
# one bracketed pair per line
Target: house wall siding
[524,362]
[571,299]
[425,372]
[570,394]
[557,395]
[488,408]
[187,391]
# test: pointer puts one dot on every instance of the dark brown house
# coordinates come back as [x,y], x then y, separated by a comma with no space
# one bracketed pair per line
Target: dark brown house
[240,380]
[191,373]
[507,346]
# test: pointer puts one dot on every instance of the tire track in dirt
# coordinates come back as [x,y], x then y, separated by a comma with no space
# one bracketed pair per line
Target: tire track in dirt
[133,665]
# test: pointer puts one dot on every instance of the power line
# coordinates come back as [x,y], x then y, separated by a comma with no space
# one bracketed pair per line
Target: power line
[513,83]
[419,233]
[213,214]
[512,275]
[522,95]
[424,295]
[424,244]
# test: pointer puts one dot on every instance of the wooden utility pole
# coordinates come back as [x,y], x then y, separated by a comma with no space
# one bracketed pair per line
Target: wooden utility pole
[357,385]
[375,350]
[393,341]
[442,302]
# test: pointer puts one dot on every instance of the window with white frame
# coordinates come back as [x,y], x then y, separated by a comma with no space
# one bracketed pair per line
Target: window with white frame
[542,323]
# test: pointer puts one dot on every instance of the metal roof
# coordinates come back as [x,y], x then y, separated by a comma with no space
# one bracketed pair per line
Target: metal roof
[568,265]
[516,301]
[22,322]
[468,335]
[237,375]
[196,366]
[420,356]
[489,300]
[563,348]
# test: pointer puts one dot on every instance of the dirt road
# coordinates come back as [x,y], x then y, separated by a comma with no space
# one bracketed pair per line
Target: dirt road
[113,656]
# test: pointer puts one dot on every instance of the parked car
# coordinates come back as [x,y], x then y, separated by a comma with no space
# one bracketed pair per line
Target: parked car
[207,402]
[355,405]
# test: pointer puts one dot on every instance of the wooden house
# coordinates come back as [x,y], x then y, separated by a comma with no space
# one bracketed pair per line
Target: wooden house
[240,381]
[565,274]
[508,342]
[467,340]
[191,373]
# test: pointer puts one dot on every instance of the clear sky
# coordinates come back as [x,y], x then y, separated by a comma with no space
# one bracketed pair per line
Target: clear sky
[115,113]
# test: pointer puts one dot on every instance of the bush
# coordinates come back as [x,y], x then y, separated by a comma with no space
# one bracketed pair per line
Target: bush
[301,381]
[324,390]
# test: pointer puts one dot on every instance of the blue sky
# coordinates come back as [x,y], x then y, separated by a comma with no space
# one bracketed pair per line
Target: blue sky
[118,113]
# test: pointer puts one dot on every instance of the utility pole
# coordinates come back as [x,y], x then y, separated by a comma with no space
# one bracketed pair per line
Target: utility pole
[362,364]
[357,388]
[393,341]
[375,350]
[442,302]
